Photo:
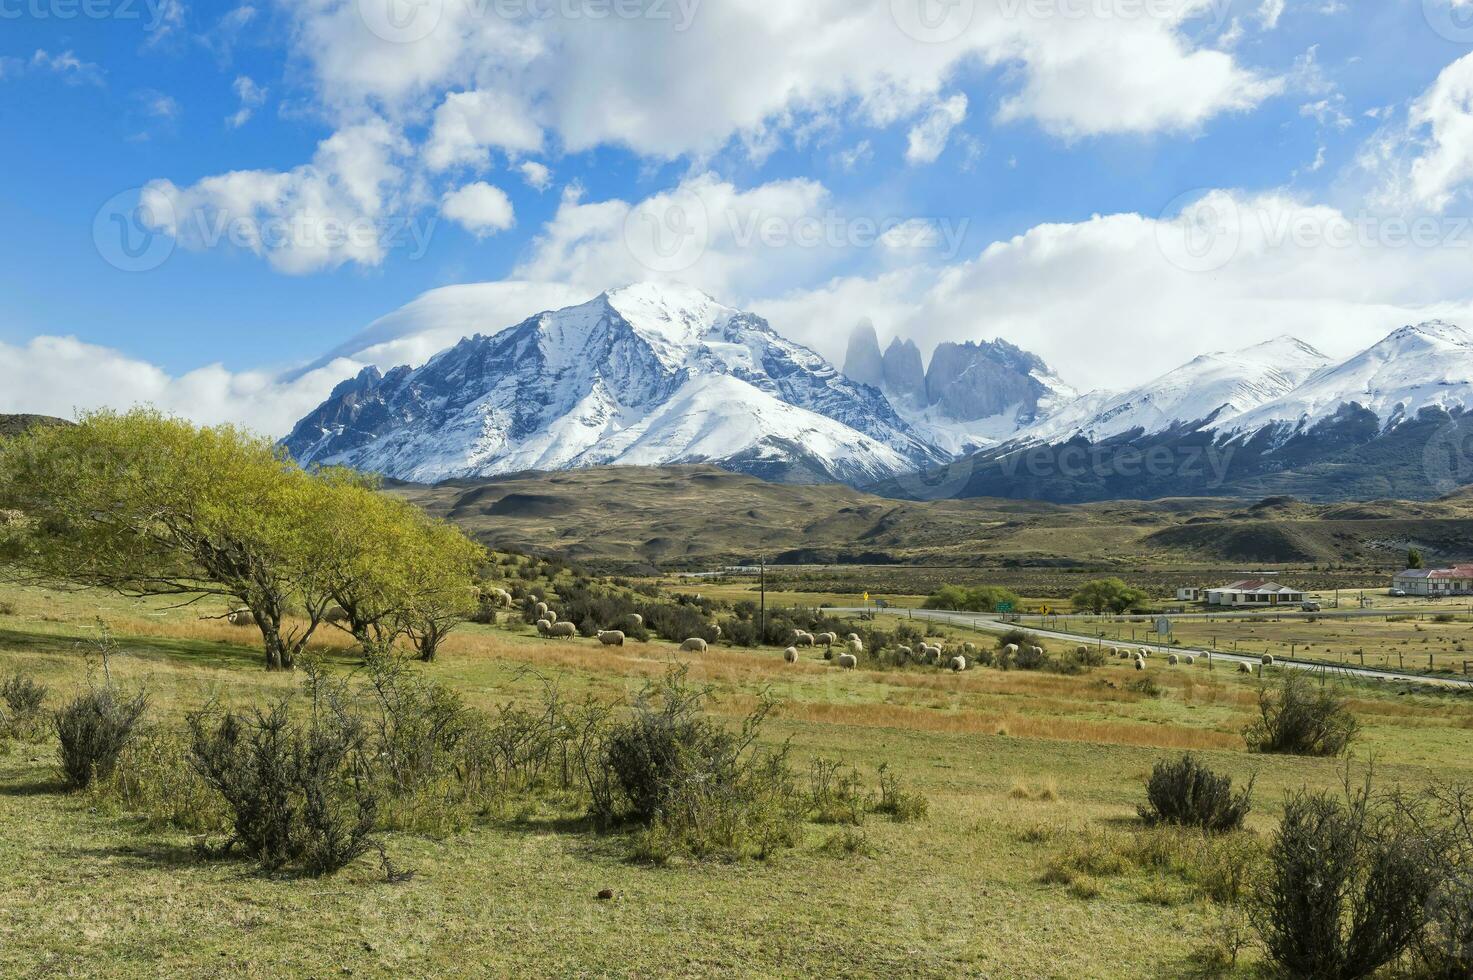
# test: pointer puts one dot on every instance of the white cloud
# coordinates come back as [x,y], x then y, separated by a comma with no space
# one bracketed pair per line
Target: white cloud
[537,176]
[929,137]
[479,208]
[251,96]
[467,124]
[1116,299]
[338,209]
[1440,136]
[65,65]
[1269,13]
[708,73]
[62,375]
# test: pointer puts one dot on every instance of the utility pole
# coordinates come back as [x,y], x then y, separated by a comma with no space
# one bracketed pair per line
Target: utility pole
[762,588]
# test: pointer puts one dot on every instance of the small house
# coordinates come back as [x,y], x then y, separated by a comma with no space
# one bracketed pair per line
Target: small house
[1254,592]
[1433,582]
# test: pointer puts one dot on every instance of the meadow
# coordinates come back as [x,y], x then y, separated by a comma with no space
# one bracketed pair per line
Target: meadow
[1019,768]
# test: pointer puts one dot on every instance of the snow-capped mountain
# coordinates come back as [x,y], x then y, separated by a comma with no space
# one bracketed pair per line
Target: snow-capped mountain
[972,395]
[1429,365]
[1210,390]
[645,375]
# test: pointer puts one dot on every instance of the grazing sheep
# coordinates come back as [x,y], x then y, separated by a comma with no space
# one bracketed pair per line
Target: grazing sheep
[855,647]
[1146,654]
[1191,661]
[1244,669]
[500,597]
[1011,649]
[1268,660]
[694,645]
[930,653]
[544,626]
[541,610]
[827,639]
[611,638]
[904,653]
[1115,652]
[791,655]
[969,648]
[1140,664]
[241,617]
[848,661]
[718,631]
[1173,659]
[852,637]
[563,630]
[958,664]
[634,621]
[1082,652]
[1126,655]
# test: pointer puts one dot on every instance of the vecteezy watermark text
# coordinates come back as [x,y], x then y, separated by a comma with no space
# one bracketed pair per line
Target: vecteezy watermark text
[151,12]
[410,21]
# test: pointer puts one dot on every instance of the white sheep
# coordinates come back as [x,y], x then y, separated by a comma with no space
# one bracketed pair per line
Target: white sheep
[541,610]
[611,638]
[1140,664]
[1011,650]
[634,621]
[848,661]
[694,645]
[969,648]
[852,637]
[904,652]
[544,626]
[1268,660]
[1190,660]
[1173,659]
[1145,654]
[791,655]
[931,654]
[241,617]
[855,647]
[500,597]
[1082,652]
[1243,668]
[958,664]
[827,639]
[564,630]
[802,639]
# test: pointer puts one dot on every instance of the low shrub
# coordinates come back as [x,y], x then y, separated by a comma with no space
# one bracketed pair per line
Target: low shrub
[22,714]
[896,802]
[696,788]
[299,793]
[1348,886]
[1186,793]
[1146,686]
[836,795]
[154,778]
[1299,718]
[93,729]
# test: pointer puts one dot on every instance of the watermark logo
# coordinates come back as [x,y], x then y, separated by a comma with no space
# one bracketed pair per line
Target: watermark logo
[126,232]
[1450,19]
[940,483]
[1200,232]
[401,21]
[933,21]
[669,233]
[1447,460]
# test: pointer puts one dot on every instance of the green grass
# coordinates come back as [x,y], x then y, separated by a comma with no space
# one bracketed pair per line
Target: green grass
[963,891]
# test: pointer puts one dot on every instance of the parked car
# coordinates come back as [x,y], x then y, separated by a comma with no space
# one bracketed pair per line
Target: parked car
[1310,607]
[1397,594]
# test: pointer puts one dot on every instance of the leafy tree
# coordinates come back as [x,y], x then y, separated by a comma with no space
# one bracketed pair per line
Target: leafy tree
[146,504]
[981,598]
[1107,595]
[1414,558]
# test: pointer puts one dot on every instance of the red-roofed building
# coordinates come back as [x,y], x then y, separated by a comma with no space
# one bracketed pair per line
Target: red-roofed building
[1457,580]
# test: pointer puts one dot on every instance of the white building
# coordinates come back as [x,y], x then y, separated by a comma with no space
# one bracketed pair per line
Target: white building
[1191,595]
[1457,580]
[1254,592]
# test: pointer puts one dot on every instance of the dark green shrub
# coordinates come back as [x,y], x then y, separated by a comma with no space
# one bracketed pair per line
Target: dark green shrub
[1300,718]
[92,731]
[695,787]
[1347,888]
[299,793]
[896,802]
[1187,793]
[22,713]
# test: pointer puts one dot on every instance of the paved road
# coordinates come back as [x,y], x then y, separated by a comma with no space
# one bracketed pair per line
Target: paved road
[980,621]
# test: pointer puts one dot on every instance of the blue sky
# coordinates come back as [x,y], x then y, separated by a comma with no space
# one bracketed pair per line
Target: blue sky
[520,139]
